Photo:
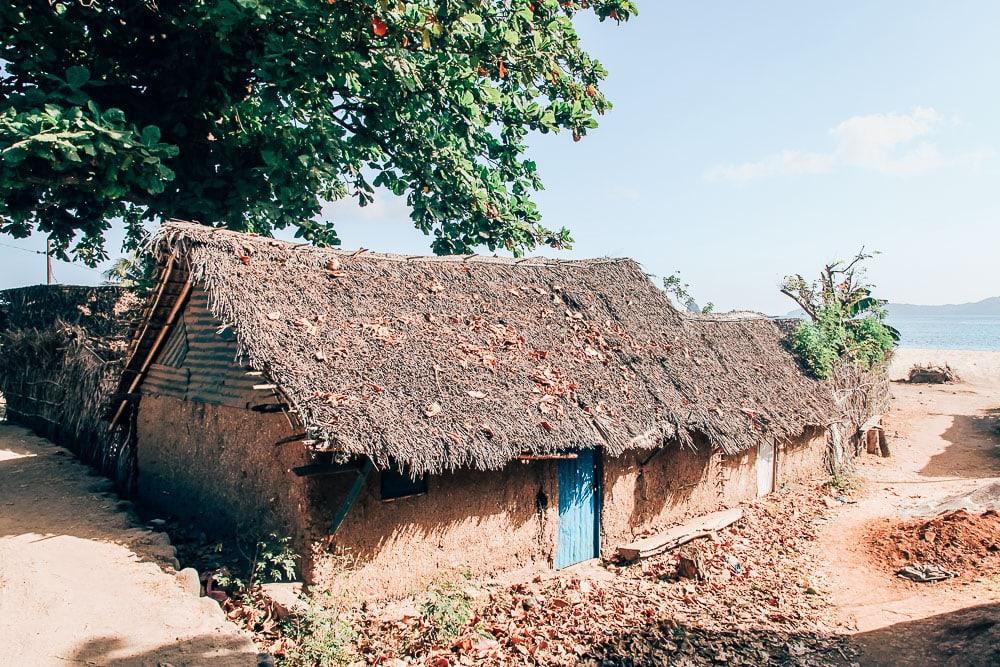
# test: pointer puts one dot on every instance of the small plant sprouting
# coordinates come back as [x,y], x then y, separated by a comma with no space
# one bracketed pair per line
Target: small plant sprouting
[318,638]
[843,483]
[274,560]
[678,289]
[447,606]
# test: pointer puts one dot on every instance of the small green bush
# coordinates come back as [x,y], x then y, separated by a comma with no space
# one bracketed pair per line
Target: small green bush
[816,349]
[870,341]
[274,560]
[846,321]
[447,607]
[821,343]
[320,640]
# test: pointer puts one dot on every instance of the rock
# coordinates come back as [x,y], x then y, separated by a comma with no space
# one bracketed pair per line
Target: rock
[163,553]
[399,612]
[189,581]
[212,608]
[155,539]
[286,598]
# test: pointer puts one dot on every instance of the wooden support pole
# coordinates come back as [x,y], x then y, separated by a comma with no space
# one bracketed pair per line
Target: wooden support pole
[352,496]
[317,469]
[546,457]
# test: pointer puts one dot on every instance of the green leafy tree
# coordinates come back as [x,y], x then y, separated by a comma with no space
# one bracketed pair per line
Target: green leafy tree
[845,320]
[250,114]
[678,289]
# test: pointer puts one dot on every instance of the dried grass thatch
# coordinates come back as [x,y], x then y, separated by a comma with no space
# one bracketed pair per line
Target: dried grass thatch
[61,353]
[450,362]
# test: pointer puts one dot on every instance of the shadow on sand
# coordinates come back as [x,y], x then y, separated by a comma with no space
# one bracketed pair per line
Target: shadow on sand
[969,636]
[973,448]
[202,650]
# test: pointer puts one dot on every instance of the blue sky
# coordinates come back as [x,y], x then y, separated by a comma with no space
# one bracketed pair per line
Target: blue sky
[748,142]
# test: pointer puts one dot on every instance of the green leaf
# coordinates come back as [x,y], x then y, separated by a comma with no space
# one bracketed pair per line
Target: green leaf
[150,135]
[77,75]
[301,103]
[269,157]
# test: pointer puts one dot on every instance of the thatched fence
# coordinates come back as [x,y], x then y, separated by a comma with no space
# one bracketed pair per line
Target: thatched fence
[61,350]
[859,394]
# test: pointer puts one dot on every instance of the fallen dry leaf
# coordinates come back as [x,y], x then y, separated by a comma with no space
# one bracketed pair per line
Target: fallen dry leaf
[432,409]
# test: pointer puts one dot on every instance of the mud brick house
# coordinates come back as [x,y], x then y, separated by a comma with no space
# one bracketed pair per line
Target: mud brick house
[398,415]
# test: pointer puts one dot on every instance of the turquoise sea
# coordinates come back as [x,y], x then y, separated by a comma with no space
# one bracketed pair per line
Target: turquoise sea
[949,333]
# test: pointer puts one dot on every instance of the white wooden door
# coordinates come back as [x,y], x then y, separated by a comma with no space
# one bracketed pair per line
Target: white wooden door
[765,468]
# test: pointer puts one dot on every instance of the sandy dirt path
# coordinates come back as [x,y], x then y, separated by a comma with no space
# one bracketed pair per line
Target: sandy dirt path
[944,443]
[82,584]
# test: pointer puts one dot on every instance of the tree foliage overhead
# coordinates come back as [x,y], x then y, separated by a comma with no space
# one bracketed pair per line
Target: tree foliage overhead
[845,320]
[675,287]
[251,113]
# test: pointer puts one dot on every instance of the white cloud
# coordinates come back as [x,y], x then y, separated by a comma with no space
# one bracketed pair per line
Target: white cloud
[882,142]
[779,164]
[386,207]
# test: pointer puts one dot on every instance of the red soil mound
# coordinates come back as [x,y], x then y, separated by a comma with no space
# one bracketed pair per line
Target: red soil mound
[958,540]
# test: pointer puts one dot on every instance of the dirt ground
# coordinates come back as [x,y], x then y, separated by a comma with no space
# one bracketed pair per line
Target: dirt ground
[944,442]
[81,582]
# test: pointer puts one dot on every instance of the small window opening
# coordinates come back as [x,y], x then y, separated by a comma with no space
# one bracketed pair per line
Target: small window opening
[396,484]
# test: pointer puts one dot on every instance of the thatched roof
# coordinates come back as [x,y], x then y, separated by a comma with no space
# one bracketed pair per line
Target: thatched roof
[448,362]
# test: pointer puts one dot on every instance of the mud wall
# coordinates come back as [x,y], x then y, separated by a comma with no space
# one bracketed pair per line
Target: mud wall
[220,467]
[479,522]
[644,494]
[801,459]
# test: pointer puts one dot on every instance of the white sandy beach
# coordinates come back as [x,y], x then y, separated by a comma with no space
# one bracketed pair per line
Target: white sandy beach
[975,367]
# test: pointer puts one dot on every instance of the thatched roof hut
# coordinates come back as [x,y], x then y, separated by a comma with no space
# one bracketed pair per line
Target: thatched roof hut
[440,363]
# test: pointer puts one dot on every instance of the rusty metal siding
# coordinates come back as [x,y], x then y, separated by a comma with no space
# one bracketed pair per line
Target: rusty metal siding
[176,348]
[198,362]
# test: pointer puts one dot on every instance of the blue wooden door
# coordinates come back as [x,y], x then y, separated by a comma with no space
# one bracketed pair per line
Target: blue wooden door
[579,536]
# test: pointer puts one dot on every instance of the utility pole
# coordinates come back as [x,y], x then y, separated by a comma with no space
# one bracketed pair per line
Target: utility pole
[48,261]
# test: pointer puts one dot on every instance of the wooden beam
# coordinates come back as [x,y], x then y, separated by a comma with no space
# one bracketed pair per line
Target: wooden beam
[875,421]
[292,438]
[545,457]
[682,534]
[160,336]
[317,469]
[352,496]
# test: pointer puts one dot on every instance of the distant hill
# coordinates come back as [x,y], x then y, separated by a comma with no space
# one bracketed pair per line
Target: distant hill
[986,308]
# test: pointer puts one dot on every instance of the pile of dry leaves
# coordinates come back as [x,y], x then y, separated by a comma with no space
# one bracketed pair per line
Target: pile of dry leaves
[756,604]
[961,541]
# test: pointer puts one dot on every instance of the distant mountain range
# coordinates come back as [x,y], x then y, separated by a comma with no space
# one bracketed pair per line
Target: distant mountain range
[986,308]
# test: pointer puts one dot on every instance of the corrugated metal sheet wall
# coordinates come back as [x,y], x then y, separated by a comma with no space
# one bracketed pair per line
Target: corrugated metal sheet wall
[198,362]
